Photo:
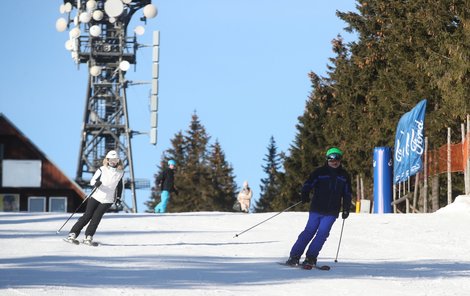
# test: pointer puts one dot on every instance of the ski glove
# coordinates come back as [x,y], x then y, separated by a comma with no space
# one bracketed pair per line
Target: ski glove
[304,197]
[98,183]
[118,203]
[345,215]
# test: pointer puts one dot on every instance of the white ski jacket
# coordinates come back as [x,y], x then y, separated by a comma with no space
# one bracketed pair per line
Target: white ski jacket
[111,184]
[244,197]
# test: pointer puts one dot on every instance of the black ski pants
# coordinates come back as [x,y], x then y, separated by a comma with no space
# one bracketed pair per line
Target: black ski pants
[93,214]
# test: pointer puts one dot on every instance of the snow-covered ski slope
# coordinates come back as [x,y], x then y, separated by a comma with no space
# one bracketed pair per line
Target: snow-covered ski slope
[197,254]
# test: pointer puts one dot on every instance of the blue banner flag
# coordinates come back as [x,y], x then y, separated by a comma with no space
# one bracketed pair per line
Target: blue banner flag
[409,144]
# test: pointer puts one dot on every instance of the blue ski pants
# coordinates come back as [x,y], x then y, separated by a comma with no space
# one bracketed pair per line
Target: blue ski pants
[318,227]
[161,207]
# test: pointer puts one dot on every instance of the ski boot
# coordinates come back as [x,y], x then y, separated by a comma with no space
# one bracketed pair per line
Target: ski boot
[89,241]
[309,263]
[293,261]
[72,238]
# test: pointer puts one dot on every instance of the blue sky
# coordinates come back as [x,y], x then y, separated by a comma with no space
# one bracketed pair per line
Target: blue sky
[240,65]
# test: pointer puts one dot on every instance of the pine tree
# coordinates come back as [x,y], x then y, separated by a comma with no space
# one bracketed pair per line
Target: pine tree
[176,152]
[309,146]
[203,178]
[270,186]
[222,179]
[193,181]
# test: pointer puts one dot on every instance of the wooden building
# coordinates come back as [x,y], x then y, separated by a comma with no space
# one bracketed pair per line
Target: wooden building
[29,181]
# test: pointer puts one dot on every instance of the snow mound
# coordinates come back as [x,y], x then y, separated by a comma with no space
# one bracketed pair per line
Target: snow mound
[461,204]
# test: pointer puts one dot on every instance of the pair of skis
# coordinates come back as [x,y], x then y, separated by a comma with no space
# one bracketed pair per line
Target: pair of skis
[77,242]
[307,266]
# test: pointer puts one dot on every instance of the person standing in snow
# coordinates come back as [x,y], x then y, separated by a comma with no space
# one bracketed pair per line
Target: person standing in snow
[244,197]
[109,188]
[331,186]
[166,181]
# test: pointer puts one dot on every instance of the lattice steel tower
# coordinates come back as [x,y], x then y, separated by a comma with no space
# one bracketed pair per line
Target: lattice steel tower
[98,38]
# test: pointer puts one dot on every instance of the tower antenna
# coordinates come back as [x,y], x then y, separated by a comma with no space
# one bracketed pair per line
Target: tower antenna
[98,38]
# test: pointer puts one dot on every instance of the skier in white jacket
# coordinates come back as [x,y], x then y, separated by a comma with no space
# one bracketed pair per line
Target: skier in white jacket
[109,188]
[244,197]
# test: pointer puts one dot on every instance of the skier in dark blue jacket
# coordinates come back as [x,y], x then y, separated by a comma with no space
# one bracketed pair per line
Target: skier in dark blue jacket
[331,187]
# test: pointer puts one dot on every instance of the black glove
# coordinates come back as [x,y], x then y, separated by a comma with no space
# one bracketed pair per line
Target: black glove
[97,184]
[176,191]
[118,203]
[304,197]
[345,214]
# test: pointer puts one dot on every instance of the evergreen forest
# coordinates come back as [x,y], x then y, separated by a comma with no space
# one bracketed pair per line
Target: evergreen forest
[403,52]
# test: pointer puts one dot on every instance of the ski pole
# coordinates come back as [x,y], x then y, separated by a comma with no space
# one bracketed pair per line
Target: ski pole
[94,189]
[237,235]
[339,244]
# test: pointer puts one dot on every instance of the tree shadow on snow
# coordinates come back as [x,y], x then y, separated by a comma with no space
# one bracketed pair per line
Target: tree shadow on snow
[186,244]
[27,218]
[180,272]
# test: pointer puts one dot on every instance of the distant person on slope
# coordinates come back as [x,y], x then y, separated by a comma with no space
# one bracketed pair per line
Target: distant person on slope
[108,181]
[331,187]
[166,181]
[244,197]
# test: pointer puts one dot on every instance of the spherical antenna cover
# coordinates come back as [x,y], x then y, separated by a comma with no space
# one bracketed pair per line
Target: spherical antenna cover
[150,11]
[124,65]
[113,8]
[97,15]
[95,70]
[61,25]
[139,30]
[95,31]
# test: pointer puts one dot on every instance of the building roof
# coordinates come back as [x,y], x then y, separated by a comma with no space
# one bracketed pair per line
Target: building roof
[19,147]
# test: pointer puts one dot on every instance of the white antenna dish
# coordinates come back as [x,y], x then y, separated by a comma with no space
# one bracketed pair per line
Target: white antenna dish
[95,31]
[84,17]
[61,25]
[95,70]
[124,65]
[97,15]
[74,33]
[69,44]
[62,8]
[113,8]
[139,30]
[67,7]
[91,5]
[150,11]
[126,1]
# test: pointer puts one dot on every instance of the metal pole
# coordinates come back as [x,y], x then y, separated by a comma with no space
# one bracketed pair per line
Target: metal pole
[339,244]
[449,168]
[94,189]
[425,189]
[467,140]
[358,194]
[237,235]
[464,160]
[415,193]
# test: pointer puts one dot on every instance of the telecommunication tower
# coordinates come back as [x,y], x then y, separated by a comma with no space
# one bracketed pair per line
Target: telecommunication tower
[98,38]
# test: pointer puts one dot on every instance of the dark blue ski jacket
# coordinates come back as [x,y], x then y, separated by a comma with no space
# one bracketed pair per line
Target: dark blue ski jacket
[331,190]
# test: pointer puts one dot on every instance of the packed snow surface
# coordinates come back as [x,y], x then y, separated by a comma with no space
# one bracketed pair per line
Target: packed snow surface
[198,254]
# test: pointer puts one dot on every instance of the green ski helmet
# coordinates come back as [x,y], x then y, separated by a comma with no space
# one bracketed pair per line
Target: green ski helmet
[334,153]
